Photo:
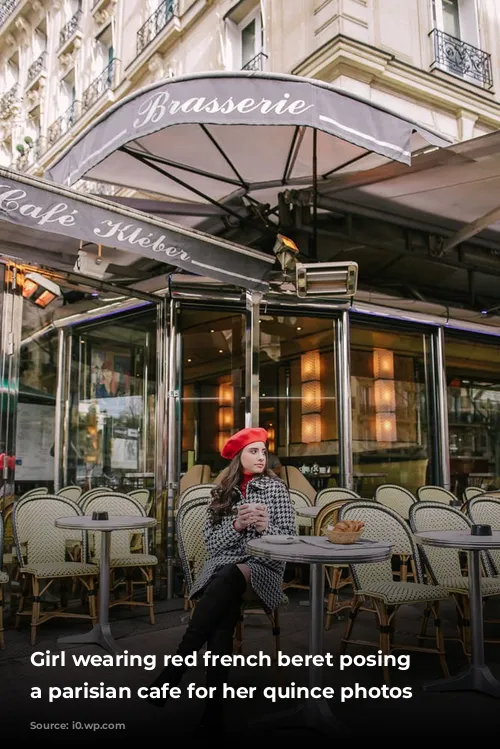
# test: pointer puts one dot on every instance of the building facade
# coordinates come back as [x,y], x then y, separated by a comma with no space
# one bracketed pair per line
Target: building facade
[63,62]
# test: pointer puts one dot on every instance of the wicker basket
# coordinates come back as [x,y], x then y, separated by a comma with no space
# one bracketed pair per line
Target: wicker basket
[341,537]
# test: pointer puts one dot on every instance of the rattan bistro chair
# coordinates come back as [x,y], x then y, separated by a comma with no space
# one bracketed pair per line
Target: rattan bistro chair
[129,549]
[395,497]
[197,491]
[445,566]
[375,582]
[70,492]
[4,578]
[46,553]
[190,525]
[485,510]
[431,493]
[325,496]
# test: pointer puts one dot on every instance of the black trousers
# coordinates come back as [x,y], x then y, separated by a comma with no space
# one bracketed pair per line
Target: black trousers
[214,618]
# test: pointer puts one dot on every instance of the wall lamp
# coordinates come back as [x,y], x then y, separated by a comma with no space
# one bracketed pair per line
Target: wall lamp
[286,251]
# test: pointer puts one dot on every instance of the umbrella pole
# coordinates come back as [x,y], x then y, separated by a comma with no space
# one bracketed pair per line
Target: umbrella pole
[315,194]
[173,432]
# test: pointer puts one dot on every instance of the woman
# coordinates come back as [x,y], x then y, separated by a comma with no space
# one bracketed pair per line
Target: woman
[249,503]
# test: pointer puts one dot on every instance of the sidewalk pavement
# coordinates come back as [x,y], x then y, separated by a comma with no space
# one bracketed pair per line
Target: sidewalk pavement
[451,714]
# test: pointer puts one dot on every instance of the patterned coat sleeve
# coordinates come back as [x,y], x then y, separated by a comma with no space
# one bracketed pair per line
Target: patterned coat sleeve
[282,518]
[221,537]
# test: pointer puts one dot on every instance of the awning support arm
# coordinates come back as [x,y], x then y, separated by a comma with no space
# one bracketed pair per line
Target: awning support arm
[470,230]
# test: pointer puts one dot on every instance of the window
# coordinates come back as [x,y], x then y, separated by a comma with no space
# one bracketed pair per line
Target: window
[392,413]
[12,71]
[251,41]
[457,18]
[40,40]
[473,380]
[67,93]
[244,48]
[104,50]
[451,18]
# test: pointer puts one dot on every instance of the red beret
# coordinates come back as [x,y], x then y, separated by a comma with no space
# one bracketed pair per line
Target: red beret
[241,439]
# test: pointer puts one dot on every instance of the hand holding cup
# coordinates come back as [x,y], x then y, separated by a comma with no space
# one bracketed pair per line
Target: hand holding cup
[251,513]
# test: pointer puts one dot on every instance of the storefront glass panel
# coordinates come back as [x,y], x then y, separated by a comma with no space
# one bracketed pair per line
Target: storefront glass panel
[473,384]
[36,406]
[213,389]
[391,408]
[111,419]
[298,403]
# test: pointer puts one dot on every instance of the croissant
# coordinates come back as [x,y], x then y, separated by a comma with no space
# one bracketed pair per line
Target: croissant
[349,526]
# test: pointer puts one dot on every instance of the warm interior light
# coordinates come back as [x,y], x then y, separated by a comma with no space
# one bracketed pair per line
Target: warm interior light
[385,427]
[310,370]
[311,397]
[222,438]
[384,389]
[385,396]
[271,436]
[311,428]
[225,418]
[383,364]
[225,395]
[225,415]
[310,366]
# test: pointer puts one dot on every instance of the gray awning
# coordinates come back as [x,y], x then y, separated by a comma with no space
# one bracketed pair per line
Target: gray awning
[43,221]
[173,139]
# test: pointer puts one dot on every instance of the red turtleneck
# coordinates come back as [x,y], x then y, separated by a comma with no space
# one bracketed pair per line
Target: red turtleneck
[247,475]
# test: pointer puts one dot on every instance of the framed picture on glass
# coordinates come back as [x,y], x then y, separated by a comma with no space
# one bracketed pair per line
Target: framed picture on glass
[111,371]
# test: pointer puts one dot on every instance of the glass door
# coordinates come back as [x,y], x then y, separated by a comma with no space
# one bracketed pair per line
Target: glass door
[213,389]
[298,398]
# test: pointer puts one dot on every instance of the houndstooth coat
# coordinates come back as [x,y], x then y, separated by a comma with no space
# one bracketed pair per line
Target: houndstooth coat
[225,545]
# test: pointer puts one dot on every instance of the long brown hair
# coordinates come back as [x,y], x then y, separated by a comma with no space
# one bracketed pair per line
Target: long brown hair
[226,494]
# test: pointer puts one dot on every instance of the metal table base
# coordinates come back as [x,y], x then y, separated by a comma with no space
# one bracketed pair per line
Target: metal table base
[477,677]
[313,714]
[101,633]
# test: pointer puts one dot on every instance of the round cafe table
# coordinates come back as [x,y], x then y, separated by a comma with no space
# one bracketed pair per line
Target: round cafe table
[101,633]
[315,551]
[477,676]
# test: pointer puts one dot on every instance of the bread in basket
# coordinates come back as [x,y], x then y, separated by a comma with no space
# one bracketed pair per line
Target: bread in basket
[345,532]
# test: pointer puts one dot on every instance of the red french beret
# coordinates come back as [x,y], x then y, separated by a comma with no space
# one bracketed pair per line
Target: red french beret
[241,439]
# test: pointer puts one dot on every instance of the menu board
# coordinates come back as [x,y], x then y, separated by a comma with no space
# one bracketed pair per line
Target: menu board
[34,442]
